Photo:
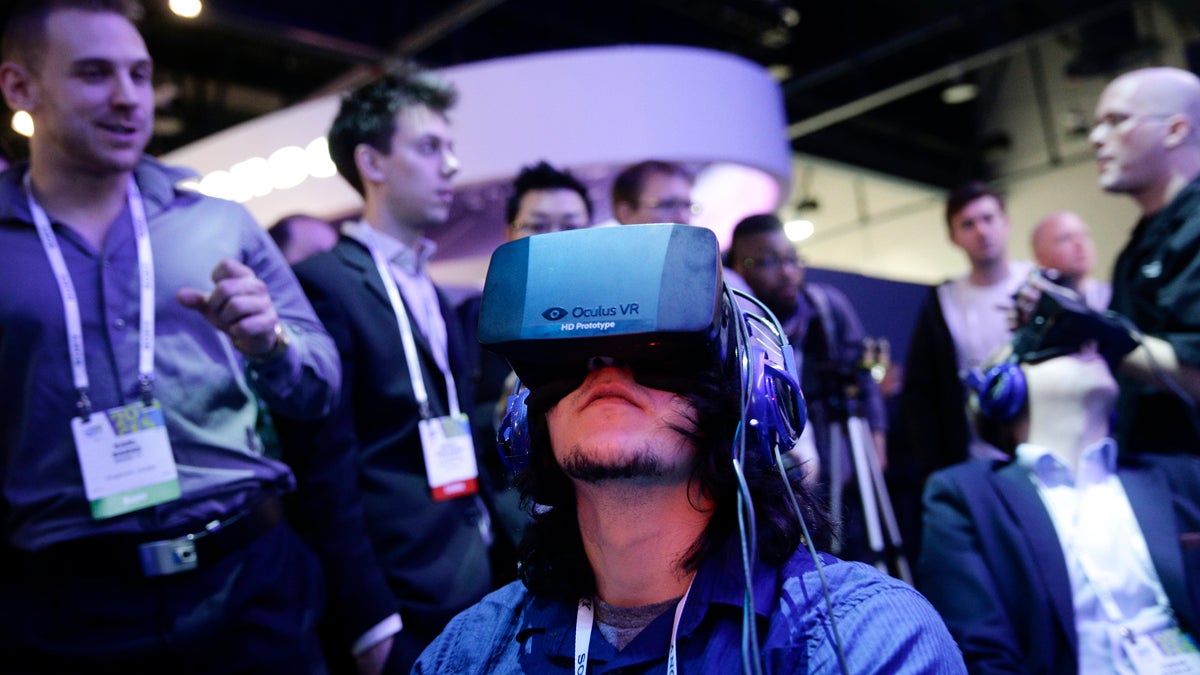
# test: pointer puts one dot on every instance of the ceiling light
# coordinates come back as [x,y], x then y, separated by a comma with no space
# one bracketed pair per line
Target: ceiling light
[959,92]
[188,9]
[22,123]
[798,230]
[780,71]
[168,125]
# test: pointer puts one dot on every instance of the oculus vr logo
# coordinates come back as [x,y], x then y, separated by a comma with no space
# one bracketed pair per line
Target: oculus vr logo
[554,314]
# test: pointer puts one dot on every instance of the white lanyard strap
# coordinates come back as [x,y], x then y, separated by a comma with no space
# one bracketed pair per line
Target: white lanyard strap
[406,334]
[583,634]
[672,662]
[66,288]
[1108,603]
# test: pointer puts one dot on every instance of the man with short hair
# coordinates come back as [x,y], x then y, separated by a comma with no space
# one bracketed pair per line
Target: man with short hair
[300,237]
[140,522]
[960,323]
[1062,246]
[1070,555]
[827,337]
[638,429]
[545,199]
[653,191]
[400,427]
[1147,141]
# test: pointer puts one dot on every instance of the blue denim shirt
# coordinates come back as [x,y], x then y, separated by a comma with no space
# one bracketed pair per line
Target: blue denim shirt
[200,379]
[884,624]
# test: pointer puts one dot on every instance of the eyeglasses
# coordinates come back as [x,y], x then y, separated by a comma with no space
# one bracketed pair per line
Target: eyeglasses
[772,263]
[1124,121]
[543,228]
[673,206]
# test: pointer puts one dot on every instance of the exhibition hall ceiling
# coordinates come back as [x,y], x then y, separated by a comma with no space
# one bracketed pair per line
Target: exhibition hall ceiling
[863,80]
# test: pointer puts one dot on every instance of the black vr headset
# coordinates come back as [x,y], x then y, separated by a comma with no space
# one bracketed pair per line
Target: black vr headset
[646,296]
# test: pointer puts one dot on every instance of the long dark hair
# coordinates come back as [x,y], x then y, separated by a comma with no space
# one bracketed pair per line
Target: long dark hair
[552,558]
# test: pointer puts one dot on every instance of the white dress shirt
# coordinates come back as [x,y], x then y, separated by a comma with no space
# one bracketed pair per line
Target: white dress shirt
[1114,585]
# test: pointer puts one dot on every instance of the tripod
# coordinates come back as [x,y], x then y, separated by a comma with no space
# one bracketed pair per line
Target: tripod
[850,437]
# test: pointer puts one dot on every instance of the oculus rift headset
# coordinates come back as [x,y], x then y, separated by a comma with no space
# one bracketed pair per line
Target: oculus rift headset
[1060,324]
[646,296]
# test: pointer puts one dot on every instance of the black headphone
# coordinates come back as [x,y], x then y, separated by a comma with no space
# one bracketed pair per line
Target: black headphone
[773,412]
[1001,391]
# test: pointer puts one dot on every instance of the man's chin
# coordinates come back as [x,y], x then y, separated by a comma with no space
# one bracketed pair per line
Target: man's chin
[640,467]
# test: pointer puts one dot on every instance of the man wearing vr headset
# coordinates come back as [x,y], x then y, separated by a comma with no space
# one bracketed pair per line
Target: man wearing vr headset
[642,418]
[1067,557]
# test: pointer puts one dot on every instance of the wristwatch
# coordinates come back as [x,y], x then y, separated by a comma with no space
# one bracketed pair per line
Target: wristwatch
[282,341]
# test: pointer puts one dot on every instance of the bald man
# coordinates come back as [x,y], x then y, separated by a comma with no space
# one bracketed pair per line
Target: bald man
[1147,141]
[1063,242]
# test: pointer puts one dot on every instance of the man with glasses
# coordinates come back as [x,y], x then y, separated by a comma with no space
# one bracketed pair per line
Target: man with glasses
[654,192]
[827,336]
[544,200]
[1147,141]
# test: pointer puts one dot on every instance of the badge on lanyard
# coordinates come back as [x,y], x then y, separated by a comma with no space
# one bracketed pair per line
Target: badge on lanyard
[445,441]
[126,459]
[1168,650]
[449,457]
[124,452]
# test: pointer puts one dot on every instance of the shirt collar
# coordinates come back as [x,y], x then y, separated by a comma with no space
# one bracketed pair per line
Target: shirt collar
[1096,463]
[412,262]
[718,582]
[158,183]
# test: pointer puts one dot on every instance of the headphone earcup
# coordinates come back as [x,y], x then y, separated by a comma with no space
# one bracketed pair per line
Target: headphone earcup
[512,438]
[1001,391]
[775,410]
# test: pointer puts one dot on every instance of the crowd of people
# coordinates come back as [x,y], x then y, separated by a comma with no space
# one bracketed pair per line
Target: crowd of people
[230,449]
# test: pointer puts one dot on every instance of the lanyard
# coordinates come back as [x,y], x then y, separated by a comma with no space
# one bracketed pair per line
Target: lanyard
[66,288]
[406,334]
[1094,578]
[583,634]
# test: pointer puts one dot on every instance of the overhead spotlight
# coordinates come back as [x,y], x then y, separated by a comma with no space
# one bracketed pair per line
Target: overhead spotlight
[959,92]
[798,230]
[187,9]
[789,16]
[775,38]
[168,125]
[780,72]
[22,123]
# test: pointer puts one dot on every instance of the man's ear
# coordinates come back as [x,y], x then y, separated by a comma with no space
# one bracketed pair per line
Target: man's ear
[1179,128]
[17,83]
[369,163]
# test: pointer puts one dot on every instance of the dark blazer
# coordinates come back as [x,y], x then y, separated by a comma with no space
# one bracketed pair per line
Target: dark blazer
[992,565]
[933,407]
[366,458]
